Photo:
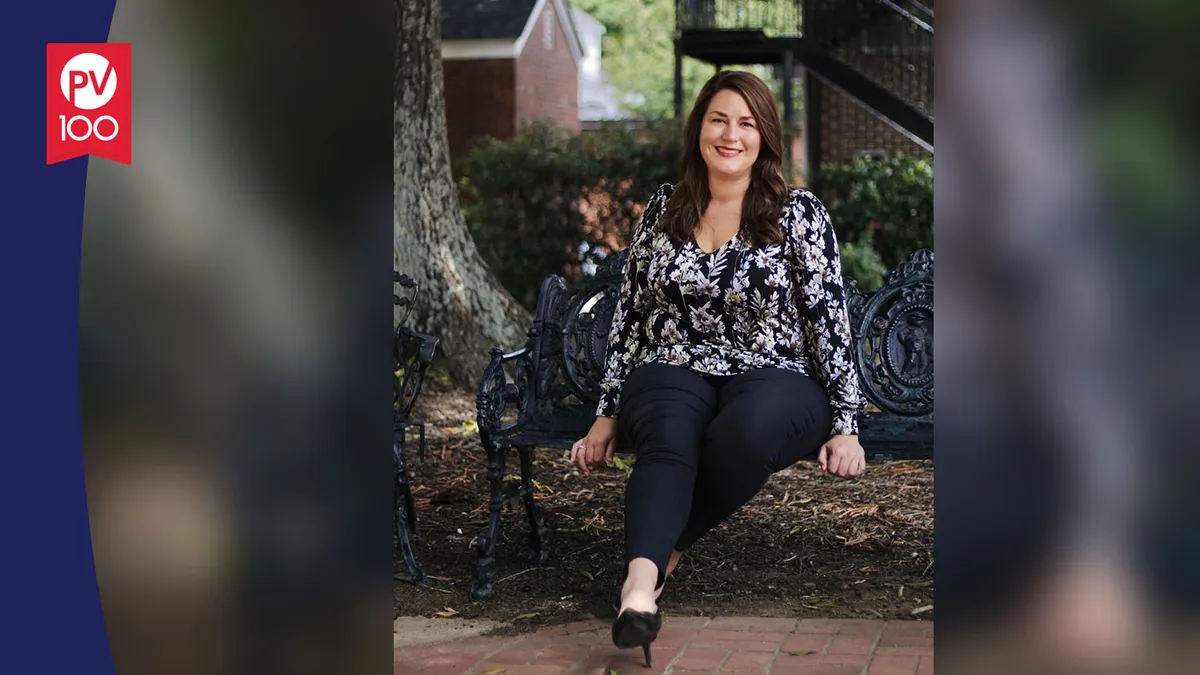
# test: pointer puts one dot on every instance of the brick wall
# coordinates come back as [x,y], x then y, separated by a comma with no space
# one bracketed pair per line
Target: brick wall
[481,100]
[547,76]
[848,129]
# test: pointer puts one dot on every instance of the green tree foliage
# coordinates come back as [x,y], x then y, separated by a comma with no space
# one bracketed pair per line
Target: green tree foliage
[639,55]
[549,202]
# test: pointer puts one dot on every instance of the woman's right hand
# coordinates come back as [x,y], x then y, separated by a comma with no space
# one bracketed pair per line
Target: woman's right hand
[597,447]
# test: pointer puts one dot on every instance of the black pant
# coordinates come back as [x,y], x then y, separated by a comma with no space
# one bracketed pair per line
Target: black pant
[706,445]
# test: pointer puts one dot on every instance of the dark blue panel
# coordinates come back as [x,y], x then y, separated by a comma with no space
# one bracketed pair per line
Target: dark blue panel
[51,604]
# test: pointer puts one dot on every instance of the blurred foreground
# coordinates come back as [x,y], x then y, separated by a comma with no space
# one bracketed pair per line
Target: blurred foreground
[1065,538]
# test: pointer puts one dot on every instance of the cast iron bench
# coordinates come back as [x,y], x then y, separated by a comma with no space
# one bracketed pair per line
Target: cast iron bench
[412,354]
[545,393]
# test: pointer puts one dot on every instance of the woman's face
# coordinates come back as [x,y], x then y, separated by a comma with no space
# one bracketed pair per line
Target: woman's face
[729,138]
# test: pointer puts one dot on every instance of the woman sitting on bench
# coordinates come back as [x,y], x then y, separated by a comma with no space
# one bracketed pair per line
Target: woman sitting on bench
[730,352]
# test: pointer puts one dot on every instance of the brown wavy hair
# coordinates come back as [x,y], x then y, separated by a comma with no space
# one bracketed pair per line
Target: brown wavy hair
[768,190]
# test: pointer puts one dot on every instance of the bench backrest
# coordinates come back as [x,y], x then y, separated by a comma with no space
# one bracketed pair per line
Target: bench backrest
[893,339]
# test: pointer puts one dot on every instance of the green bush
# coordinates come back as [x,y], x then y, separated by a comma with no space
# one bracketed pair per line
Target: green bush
[884,204]
[548,202]
[862,263]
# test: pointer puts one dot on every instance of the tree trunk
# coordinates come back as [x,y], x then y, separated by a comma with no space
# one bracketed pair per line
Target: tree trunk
[461,301]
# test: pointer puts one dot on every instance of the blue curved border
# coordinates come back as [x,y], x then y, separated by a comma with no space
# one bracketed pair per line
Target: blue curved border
[50,598]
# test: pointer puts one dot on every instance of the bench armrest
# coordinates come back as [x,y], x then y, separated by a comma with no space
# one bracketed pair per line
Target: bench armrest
[497,392]
[414,354]
[426,346]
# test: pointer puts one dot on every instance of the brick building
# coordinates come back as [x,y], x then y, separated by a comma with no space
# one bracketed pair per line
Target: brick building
[507,62]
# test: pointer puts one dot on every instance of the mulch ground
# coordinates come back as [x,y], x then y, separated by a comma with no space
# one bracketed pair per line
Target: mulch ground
[807,546]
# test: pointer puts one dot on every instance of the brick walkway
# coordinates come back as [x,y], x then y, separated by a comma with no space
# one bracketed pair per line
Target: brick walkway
[745,646]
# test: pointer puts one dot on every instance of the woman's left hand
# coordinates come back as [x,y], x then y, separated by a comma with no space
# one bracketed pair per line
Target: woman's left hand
[842,456]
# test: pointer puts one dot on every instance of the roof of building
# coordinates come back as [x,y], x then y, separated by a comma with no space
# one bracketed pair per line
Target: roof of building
[495,22]
[485,19]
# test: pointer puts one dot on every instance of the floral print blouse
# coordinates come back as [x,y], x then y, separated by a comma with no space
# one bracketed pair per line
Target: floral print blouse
[739,308]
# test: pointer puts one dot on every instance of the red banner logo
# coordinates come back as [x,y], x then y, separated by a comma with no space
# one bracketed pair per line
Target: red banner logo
[88,102]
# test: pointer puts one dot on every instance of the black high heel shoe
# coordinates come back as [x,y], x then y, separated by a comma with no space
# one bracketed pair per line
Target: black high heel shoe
[637,629]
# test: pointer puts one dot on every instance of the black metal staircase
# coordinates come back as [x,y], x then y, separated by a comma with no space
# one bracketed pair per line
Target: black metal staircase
[879,53]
